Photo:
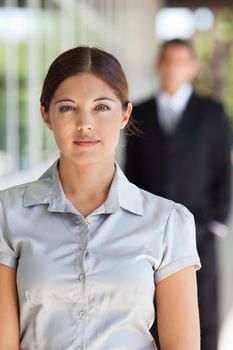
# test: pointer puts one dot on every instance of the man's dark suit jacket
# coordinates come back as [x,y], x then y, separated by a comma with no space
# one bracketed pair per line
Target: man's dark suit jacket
[193,166]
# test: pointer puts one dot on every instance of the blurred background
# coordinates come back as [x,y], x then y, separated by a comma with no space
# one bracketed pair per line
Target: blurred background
[34,32]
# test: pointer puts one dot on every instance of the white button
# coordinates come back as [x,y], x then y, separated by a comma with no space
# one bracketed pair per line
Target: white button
[82,314]
[82,277]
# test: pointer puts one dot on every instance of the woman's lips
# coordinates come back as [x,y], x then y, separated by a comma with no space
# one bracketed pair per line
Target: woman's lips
[86,143]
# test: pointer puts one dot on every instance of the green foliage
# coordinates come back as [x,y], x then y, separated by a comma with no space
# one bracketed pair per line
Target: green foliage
[215,51]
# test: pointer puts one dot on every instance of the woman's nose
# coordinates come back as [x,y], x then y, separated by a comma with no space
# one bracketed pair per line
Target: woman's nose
[84,122]
[84,128]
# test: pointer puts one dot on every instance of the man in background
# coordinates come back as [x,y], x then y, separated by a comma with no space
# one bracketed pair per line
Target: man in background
[183,154]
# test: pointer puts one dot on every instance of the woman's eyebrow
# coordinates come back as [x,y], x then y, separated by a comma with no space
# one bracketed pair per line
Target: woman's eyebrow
[104,98]
[65,100]
[97,99]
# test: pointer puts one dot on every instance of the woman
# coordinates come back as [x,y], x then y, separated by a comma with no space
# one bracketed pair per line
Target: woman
[82,249]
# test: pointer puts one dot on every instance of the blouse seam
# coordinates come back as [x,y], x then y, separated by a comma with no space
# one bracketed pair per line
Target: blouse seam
[4,233]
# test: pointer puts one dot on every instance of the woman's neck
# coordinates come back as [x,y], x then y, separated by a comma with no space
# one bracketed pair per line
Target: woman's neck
[86,186]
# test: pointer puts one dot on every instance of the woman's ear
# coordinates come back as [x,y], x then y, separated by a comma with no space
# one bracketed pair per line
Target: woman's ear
[126,115]
[45,117]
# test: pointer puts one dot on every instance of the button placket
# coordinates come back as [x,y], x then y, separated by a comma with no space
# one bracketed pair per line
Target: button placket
[84,237]
[81,315]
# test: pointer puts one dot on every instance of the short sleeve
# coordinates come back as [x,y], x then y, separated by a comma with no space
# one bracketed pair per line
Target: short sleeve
[7,255]
[179,243]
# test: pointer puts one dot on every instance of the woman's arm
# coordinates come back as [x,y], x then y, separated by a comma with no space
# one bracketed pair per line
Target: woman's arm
[9,315]
[177,311]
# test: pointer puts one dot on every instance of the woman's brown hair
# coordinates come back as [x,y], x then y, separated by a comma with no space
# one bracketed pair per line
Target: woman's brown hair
[84,59]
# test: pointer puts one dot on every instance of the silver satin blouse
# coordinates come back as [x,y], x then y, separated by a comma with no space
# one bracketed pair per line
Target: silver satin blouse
[90,283]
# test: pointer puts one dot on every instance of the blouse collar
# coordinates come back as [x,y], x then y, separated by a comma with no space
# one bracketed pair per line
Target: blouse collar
[48,190]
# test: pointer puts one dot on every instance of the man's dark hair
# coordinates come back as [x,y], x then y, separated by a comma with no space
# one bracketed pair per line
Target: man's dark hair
[177,43]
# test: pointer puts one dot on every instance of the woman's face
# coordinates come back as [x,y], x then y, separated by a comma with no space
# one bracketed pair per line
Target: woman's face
[86,117]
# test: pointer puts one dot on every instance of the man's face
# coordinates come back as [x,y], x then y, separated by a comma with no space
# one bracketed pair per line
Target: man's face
[176,66]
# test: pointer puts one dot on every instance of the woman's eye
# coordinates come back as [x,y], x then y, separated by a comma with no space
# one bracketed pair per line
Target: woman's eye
[102,108]
[66,108]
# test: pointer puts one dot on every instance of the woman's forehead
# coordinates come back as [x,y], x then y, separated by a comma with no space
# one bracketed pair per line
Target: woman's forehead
[81,85]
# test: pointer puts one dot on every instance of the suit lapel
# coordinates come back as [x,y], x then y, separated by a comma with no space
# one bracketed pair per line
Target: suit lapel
[151,126]
[187,120]
[185,125]
[158,126]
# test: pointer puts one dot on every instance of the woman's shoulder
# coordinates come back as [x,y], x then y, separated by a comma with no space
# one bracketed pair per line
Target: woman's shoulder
[163,207]
[149,205]
[33,192]
[17,195]
[14,191]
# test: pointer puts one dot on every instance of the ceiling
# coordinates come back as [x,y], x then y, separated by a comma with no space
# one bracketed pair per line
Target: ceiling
[199,3]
